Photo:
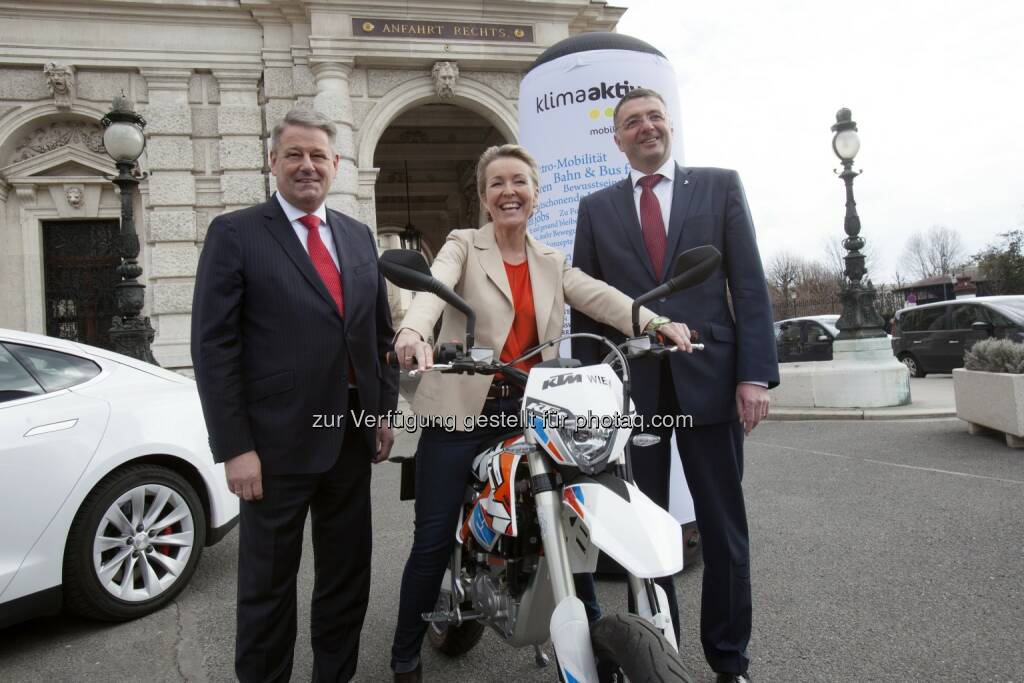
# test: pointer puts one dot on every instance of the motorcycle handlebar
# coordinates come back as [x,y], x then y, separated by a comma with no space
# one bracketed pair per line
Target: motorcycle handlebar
[444,353]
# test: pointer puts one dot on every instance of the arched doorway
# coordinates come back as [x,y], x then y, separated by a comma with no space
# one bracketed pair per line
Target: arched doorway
[427,159]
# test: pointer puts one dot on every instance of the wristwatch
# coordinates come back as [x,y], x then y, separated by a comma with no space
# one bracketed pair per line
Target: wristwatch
[657,322]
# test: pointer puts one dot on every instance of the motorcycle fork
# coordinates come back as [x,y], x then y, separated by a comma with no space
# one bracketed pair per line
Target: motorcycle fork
[547,497]
[569,629]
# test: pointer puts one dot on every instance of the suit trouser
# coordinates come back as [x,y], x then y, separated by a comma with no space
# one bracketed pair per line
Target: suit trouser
[269,550]
[712,457]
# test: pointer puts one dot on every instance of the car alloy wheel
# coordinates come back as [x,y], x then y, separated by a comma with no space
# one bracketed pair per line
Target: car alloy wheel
[912,365]
[143,544]
[134,544]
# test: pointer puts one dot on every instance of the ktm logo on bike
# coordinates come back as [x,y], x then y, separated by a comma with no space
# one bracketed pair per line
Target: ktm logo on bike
[559,380]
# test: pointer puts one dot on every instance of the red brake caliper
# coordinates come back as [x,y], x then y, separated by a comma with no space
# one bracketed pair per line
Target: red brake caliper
[164,549]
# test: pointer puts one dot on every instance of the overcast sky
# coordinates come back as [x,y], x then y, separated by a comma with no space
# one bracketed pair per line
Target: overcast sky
[936,89]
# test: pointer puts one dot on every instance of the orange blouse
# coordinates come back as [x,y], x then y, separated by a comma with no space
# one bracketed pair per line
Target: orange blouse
[523,334]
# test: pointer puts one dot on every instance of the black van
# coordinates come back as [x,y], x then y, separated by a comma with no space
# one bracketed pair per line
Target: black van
[933,337]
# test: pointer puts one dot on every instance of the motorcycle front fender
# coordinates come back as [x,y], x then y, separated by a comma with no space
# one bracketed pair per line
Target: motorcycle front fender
[627,525]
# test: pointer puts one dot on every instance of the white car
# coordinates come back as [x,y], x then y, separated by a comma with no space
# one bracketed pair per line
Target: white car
[108,490]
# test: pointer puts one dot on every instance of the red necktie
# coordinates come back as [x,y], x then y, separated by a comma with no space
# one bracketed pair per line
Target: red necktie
[324,265]
[323,262]
[652,224]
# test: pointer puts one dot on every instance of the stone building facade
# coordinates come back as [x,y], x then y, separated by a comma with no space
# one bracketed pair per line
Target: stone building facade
[418,89]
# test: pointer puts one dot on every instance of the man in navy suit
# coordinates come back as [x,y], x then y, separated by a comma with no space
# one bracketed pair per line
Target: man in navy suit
[289,324]
[629,235]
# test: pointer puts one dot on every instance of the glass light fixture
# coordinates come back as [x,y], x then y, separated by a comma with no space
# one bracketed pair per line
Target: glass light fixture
[846,144]
[122,136]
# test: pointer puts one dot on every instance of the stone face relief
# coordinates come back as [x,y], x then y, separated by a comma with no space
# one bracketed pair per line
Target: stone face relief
[60,79]
[445,75]
[57,135]
[74,196]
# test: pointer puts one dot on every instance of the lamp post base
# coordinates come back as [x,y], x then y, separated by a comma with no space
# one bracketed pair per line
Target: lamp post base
[859,320]
[863,373]
[133,337]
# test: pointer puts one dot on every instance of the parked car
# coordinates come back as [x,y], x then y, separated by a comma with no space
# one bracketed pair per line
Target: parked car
[806,339]
[108,489]
[933,337]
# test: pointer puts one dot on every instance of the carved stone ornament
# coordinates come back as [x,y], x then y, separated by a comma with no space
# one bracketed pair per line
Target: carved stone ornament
[60,134]
[75,196]
[445,75]
[60,79]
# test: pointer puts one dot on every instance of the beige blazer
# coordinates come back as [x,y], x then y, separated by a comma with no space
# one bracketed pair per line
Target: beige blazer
[470,263]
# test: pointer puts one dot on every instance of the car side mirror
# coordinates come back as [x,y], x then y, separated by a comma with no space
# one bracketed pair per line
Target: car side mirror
[983,326]
[822,337]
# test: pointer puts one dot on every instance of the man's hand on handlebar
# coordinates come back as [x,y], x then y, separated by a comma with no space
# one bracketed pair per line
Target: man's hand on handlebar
[678,334]
[412,351]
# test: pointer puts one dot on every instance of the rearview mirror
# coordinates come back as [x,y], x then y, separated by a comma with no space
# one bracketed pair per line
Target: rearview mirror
[691,268]
[694,266]
[406,268]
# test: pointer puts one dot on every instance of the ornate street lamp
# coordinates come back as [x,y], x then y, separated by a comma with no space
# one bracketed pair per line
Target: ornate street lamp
[410,236]
[859,319]
[124,141]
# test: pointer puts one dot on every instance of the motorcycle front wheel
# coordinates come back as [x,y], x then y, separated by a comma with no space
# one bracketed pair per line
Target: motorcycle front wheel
[629,648]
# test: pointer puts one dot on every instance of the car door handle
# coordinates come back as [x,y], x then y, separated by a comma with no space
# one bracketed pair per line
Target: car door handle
[916,342]
[52,427]
[954,341]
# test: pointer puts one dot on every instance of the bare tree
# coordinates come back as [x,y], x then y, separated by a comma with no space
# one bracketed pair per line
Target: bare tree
[939,251]
[783,273]
[801,286]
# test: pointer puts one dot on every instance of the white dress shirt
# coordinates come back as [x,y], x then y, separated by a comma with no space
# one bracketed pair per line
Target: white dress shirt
[663,190]
[302,232]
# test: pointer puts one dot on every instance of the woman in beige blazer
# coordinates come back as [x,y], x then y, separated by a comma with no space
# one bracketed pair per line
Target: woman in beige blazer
[518,288]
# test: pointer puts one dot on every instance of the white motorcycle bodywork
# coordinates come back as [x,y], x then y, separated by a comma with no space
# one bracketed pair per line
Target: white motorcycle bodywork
[595,513]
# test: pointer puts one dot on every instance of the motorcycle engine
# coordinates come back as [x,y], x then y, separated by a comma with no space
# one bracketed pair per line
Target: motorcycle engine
[498,607]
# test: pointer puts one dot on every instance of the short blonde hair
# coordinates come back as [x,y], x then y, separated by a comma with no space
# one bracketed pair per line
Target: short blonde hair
[505,152]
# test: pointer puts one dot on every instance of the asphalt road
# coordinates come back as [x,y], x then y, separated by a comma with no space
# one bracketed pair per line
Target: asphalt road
[882,551]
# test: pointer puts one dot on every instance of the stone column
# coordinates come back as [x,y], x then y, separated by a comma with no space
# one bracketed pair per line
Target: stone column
[333,99]
[170,226]
[241,144]
[279,34]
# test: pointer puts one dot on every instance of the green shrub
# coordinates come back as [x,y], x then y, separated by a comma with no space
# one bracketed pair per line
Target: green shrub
[996,355]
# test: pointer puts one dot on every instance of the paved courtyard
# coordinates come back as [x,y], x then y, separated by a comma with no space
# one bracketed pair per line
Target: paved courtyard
[882,551]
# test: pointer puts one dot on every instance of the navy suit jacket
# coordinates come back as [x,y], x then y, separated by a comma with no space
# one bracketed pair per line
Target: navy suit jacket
[708,207]
[269,349]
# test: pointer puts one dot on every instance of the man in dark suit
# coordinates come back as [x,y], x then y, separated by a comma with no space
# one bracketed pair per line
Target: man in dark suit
[289,323]
[629,235]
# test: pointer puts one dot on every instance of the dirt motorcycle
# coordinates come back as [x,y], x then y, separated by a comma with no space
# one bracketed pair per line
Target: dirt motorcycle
[547,498]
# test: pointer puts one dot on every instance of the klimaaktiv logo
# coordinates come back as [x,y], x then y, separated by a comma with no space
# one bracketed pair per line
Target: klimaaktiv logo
[595,93]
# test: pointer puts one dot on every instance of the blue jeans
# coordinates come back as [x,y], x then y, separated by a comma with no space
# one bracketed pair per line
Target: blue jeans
[443,462]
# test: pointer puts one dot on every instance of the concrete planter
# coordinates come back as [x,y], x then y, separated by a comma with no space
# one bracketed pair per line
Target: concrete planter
[991,400]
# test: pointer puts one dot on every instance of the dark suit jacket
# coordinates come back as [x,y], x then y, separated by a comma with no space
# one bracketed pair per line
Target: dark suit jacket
[270,350]
[708,207]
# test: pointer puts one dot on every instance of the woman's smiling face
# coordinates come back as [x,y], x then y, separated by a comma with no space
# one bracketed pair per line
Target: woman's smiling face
[509,192]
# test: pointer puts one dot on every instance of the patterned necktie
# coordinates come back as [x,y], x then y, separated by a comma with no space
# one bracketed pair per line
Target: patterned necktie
[652,224]
[323,262]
